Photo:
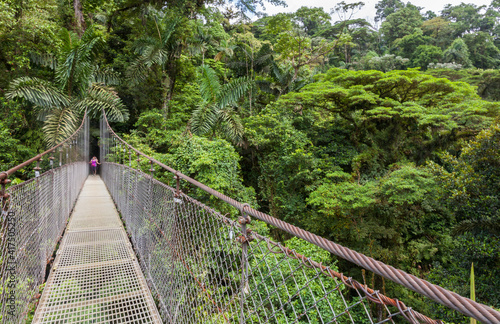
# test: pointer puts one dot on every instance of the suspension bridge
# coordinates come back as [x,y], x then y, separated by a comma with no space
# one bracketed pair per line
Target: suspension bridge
[125,247]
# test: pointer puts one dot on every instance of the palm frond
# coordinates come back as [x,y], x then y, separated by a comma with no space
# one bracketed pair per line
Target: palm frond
[282,75]
[298,84]
[487,224]
[266,86]
[219,56]
[66,68]
[60,124]
[68,40]
[203,119]
[145,43]
[231,125]
[75,60]
[209,83]
[168,28]
[137,72]
[105,76]
[231,92]
[265,55]
[39,92]
[101,18]
[151,51]
[45,60]
[83,76]
[90,38]
[101,97]
[159,57]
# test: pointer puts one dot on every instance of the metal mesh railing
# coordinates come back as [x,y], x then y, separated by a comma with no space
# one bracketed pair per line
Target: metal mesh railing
[34,215]
[204,267]
[202,270]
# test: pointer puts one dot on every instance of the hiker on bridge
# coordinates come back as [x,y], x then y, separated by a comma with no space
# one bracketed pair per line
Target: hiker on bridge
[94,162]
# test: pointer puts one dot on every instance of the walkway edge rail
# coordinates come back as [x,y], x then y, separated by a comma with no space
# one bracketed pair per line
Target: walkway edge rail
[438,294]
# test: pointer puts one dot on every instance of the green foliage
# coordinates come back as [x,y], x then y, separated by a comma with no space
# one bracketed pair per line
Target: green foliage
[276,271]
[385,63]
[394,218]
[401,23]
[387,7]
[471,186]
[294,45]
[16,145]
[26,27]
[427,54]
[418,110]
[484,54]
[13,152]
[472,179]
[458,52]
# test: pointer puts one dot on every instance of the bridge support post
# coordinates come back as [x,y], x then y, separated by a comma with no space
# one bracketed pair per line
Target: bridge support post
[37,168]
[3,193]
[244,219]
[51,160]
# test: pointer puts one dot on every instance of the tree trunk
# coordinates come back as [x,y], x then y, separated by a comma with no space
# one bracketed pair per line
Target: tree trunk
[166,93]
[80,22]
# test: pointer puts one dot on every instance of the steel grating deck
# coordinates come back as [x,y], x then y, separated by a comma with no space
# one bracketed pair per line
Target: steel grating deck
[96,277]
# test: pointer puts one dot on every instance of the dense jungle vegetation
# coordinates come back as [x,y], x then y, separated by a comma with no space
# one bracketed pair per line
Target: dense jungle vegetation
[383,137]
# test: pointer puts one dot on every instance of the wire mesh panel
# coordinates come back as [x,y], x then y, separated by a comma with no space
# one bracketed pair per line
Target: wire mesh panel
[34,215]
[200,271]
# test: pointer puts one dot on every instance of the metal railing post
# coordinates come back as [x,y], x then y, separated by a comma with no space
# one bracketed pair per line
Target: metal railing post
[51,160]
[152,170]
[244,219]
[37,168]
[3,193]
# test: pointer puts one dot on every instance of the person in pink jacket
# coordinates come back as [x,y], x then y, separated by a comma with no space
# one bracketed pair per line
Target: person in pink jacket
[94,162]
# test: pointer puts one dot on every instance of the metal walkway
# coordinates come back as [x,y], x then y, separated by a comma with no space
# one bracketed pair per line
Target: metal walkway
[96,277]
